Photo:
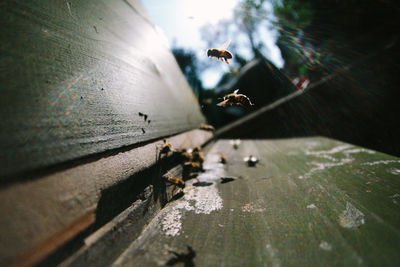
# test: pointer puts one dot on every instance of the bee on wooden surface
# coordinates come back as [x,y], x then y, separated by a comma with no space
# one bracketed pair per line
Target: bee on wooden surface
[235,99]
[185,155]
[222,158]
[251,160]
[176,181]
[235,143]
[192,166]
[166,147]
[197,155]
[220,52]
[206,127]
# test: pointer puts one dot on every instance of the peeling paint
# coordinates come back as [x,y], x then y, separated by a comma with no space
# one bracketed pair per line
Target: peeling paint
[199,199]
[351,217]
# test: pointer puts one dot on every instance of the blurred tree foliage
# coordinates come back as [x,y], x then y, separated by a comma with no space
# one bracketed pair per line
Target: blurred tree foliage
[187,62]
[248,16]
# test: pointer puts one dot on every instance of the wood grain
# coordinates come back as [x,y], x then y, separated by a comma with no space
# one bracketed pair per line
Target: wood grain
[308,202]
[75,74]
[39,209]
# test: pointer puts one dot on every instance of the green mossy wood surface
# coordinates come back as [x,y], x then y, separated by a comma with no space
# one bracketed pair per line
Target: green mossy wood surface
[308,202]
[74,76]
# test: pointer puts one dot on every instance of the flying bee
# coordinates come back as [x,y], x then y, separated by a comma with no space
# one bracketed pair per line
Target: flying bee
[220,52]
[235,99]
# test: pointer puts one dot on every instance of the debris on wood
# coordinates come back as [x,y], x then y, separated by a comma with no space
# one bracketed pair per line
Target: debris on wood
[143,115]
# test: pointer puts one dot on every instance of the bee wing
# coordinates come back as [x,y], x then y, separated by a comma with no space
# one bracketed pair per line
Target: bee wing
[222,103]
[225,45]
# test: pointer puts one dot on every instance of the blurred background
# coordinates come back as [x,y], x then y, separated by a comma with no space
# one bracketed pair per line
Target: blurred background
[344,56]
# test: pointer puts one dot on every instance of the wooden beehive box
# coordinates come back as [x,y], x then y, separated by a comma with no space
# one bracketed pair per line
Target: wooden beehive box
[90,89]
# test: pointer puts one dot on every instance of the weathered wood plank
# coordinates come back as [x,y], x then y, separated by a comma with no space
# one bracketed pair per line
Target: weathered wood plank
[308,202]
[75,74]
[37,211]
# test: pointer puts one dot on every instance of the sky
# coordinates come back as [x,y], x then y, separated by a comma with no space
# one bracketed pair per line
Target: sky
[181,20]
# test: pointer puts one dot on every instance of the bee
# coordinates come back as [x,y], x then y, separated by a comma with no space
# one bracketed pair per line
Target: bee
[235,143]
[251,160]
[220,52]
[176,181]
[206,127]
[222,158]
[166,147]
[235,99]
[184,155]
[197,155]
[192,166]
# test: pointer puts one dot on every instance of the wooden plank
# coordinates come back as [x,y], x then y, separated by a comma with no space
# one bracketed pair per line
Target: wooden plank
[39,209]
[308,202]
[75,74]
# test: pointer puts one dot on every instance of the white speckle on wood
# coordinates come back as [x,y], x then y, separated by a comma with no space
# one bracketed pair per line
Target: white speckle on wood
[320,166]
[359,150]
[381,162]
[395,198]
[69,8]
[351,217]
[394,171]
[329,152]
[325,246]
[311,206]
[171,223]
[272,253]
[249,207]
